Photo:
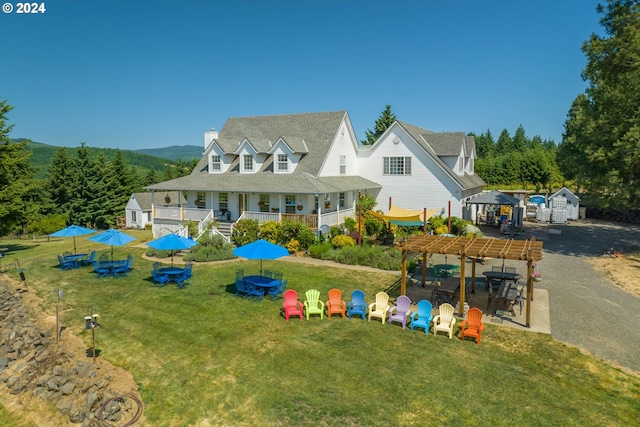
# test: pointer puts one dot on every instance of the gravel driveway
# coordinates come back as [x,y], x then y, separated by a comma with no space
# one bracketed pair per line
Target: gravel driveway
[586,309]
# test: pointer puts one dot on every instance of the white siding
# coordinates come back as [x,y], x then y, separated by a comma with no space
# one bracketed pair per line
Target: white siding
[344,145]
[428,186]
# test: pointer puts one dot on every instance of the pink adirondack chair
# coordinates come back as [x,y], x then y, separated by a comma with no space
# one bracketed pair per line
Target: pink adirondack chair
[291,305]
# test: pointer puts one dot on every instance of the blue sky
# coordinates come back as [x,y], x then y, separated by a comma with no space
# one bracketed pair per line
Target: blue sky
[149,74]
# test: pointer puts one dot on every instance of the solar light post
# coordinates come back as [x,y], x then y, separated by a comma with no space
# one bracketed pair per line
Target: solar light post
[91,322]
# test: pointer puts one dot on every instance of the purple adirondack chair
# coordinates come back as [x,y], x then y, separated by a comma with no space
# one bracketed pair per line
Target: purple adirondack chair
[400,312]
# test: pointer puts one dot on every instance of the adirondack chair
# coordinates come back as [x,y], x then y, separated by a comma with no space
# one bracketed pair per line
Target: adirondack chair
[380,308]
[159,278]
[89,260]
[312,303]
[422,318]
[279,291]
[64,265]
[291,305]
[400,312]
[472,326]
[445,320]
[357,305]
[335,304]
[100,271]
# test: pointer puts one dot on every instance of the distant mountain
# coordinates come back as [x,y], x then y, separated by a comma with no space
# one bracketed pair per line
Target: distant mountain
[41,155]
[175,152]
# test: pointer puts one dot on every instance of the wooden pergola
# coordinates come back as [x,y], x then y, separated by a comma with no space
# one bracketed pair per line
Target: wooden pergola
[476,249]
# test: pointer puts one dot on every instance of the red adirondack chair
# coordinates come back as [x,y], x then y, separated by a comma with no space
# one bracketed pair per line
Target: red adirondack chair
[292,307]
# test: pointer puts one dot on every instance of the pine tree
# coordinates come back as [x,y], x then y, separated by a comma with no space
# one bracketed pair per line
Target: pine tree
[385,120]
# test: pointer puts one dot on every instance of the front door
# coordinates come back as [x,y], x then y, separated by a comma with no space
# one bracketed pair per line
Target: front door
[240,204]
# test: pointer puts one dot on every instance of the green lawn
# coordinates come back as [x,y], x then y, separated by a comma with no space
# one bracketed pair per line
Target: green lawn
[202,354]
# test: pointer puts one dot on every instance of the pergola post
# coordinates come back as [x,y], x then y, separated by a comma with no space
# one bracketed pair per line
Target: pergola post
[529,286]
[462,281]
[403,276]
[424,268]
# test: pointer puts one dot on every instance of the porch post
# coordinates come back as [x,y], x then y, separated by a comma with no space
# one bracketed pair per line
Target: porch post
[463,259]
[529,287]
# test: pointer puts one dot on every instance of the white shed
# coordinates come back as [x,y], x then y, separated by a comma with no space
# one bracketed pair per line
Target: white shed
[138,209]
[570,199]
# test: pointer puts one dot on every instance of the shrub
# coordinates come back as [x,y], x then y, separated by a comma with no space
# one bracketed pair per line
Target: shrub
[211,248]
[458,226]
[245,231]
[269,230]
[373,226]
[342,241]
[441,229]
[293,246]
[47,224]
[334,231]
[350,223]
[372,256]
[318,250]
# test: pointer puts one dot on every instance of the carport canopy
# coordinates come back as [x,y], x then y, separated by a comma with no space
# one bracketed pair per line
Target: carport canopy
[475,248]
[493,197]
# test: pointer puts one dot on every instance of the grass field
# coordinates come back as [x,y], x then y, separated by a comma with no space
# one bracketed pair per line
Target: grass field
[204,357]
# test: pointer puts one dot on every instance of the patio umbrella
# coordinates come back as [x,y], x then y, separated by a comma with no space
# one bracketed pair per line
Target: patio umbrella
[261,249]
[73,231]
[171,242]
[112,237]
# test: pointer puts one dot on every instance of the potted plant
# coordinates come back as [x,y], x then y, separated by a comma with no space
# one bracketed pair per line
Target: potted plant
[300,207]
[536,276]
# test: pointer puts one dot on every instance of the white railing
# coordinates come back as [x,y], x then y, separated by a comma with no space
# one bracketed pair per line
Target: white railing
[182,214]
[202,225]
[261,216]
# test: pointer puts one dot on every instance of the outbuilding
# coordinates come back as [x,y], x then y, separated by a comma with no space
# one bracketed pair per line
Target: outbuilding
[565,198]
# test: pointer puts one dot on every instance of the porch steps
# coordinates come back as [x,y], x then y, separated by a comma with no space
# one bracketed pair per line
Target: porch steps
[225,228]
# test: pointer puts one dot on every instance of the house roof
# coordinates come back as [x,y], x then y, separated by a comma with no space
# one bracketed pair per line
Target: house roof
[144,199]
[294,183]
[308,133]
[446,144]
[493,197]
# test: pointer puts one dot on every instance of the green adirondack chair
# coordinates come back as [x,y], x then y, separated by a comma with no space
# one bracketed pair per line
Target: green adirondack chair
[312,304]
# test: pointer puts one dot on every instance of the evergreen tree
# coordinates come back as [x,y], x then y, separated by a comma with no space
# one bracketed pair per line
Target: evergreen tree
[519,141]
[18,188]
[60,181]
[85,189]
[504,144]
[604,123]
[385,120]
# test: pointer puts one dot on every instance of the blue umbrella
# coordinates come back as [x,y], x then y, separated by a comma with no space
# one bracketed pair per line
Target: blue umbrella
[112,237]
[261,249]
[73,231]
[171,242]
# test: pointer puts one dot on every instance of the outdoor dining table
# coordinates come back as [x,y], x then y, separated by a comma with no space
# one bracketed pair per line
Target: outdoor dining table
[263,282]
[75,259]
[449,286]
[506,296]
[172,272]
[502,276]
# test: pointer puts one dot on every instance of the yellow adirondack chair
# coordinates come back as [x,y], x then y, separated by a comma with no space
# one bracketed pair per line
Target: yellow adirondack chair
[312,304]
[380,308]
[445,320]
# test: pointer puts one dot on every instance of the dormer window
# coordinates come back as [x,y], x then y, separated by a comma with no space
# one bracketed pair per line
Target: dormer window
[247,162]
[216,165]
[283,163]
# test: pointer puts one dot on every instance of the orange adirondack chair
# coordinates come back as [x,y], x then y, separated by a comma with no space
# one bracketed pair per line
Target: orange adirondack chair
[472,326]
[335,304]
[292,307]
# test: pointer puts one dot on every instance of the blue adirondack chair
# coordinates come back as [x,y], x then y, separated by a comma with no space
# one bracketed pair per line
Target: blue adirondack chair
[278,291]
[100,271]
[183,278]
[64,265]
[357,305]
[422,318]
[159,278]
[88,261]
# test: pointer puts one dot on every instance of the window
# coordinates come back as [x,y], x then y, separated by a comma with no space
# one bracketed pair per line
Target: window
[343,165]
[133,216]
[290,203]
[247,162]
[396,166]
[215,163]
[223,201]
[341,200]
[283,163]
[263,203]
[200,200]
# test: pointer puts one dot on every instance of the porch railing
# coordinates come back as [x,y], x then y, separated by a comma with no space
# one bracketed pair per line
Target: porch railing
[182,214]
